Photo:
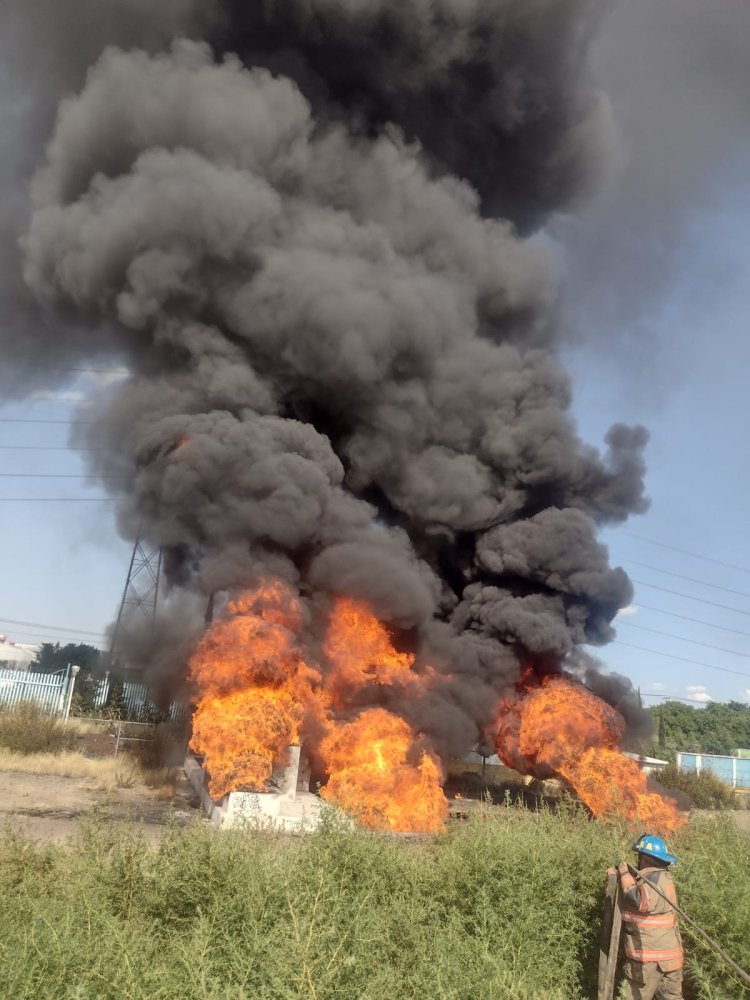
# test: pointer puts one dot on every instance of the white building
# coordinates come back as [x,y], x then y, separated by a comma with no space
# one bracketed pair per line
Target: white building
[651,765]
[16,655]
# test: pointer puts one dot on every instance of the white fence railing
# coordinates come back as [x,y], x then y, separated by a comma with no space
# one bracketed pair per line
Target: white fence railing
[136,700]
[48,691]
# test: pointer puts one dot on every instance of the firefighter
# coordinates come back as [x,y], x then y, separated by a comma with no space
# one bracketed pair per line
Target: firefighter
[653,946]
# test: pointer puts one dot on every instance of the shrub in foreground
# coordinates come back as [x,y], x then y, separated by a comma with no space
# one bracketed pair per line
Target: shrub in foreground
[27,729]
[505,907]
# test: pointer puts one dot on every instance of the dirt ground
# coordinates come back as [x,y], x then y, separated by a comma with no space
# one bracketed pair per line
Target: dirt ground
[49,808]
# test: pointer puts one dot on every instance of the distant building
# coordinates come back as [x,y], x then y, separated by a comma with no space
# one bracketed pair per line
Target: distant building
[735,771]
[651,765]
[16,655]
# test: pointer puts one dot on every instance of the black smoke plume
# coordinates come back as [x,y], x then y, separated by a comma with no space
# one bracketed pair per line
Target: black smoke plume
[311,238]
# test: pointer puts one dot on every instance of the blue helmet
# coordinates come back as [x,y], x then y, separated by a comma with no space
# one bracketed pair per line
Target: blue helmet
[654,847]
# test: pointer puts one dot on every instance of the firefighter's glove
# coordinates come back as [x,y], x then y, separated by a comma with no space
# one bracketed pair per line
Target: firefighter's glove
[626,876]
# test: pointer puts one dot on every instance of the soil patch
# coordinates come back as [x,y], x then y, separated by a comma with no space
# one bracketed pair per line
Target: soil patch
[49,808]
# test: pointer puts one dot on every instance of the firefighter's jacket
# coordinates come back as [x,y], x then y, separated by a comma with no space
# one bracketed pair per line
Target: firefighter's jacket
[649,923]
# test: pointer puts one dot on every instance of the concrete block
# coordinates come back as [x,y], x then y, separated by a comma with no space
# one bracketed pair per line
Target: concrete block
[287,805]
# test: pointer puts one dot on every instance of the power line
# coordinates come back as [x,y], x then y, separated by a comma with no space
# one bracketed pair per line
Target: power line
[690,579]
[682,638]
[53,447]
[694,621]
[52,475]
[53,628]
[687,552]
[674,697]
[29,420]
[683,659]
[60,499]
[90,641]
[83,371]
[689,597]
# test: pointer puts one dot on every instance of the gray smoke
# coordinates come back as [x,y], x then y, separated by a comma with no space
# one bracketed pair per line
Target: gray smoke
[312,259]
[494,92]
[679,76]
[46,48]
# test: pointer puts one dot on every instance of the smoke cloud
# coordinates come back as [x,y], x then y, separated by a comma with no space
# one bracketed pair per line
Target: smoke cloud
[320,265]
[678,75]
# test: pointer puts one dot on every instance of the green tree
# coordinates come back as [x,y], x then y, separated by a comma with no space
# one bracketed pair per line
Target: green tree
[718,728]
[52,657]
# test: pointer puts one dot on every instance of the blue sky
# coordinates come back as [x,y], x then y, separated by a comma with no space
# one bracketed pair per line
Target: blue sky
[693,396]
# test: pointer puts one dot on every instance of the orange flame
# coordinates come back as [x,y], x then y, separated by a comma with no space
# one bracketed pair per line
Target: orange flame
[560,727]
[256,689]
[242,734]
[373,777]
[360,651]
[260,691]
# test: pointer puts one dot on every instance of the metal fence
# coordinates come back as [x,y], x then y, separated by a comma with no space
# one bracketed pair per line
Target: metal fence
[48,691]
[51,693]
[735,771]
[136,701]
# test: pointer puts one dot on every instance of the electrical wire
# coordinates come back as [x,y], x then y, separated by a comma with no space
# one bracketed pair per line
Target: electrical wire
[53,447]
[59,636]
[694,621]
[670,697]
[690,579]
[30,420]
[626,623]
[61,499]
[83,371]
[683,659]
[54,628]
[53,475]
[700,600]
[687,552]
[682,638]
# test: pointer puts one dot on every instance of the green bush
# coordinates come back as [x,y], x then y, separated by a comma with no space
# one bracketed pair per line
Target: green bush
[704,790]
[27,729]
[503,907]
[713,879]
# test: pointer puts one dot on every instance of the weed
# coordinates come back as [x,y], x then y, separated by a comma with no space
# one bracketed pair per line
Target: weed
[126,776]
[102,774]
[705,790]
[27,729]
[505,905]
[163,747]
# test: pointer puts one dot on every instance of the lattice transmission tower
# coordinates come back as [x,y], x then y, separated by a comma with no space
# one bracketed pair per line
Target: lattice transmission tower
[141,592]
[140,595]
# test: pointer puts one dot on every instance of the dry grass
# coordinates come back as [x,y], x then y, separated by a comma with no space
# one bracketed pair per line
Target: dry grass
[103,775]
[85,727]
[32,742]
[28,730]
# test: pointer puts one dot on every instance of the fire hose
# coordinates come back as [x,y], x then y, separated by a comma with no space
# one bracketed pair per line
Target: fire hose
[689,920]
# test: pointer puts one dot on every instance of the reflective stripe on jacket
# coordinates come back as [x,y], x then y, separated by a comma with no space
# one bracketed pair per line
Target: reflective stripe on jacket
[649,923]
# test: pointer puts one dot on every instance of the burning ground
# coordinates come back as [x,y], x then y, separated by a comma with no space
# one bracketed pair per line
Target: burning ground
[311,233]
